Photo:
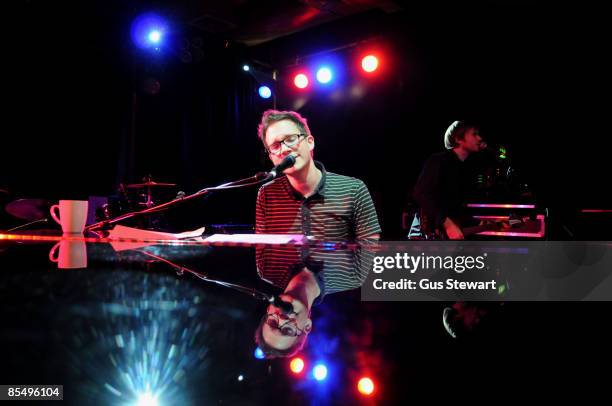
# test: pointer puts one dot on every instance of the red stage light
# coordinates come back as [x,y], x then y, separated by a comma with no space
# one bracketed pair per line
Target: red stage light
[300,81]
[296,365]
[369,63]
[365,386]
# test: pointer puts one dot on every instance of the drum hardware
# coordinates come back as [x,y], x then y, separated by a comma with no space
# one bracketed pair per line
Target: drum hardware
[148,183]
[29,209]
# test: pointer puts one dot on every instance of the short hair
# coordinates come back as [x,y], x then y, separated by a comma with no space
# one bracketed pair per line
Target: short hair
[272,116]
[456,131]
[271,352]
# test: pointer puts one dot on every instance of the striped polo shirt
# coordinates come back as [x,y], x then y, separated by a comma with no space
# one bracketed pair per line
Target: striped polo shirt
[340,209]
[335,270]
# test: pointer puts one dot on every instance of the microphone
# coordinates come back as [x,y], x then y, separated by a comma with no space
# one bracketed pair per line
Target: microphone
[286,163]
[499,151]
[489,149]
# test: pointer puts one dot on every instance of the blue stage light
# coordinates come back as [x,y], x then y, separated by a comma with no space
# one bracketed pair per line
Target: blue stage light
[259,353]
[324,75]
[319,372]
[155,36]
[148,31]
[265,92]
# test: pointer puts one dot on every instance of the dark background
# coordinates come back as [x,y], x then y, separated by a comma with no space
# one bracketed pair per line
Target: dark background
[80,115]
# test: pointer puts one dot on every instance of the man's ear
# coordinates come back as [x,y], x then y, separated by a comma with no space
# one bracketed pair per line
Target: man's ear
[311,142]
[308,325]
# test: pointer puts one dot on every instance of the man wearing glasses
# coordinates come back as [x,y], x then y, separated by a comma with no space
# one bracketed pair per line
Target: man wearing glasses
[321,205]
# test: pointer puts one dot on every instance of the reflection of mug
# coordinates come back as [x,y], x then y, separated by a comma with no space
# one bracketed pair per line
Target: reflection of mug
[71,254]
[71,216]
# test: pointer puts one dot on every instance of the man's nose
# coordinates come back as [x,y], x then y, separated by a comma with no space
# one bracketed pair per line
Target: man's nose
[285,150]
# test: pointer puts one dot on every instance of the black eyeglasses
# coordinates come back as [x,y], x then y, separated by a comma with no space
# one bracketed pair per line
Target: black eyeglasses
[287,328]
[290,141]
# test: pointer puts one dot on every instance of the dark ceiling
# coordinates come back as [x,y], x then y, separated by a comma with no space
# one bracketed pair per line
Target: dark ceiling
[252,22]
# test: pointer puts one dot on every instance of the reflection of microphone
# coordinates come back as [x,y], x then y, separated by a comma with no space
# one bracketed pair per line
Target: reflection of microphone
[286,307]
[286,163]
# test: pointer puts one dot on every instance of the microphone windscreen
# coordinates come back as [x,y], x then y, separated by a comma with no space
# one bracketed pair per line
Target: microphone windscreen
[286,307]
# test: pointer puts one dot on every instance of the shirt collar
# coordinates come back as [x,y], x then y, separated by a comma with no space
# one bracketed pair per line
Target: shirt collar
[320,189]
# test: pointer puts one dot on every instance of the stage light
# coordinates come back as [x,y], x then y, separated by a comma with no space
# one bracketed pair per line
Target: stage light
[258,353]
[240,378]
[246,68]
[296,365]
[324,75]
[148,30]
[300,81]
[265,92]
[154,36]
[319,372]
[365,386]
[147,399]
[369,63]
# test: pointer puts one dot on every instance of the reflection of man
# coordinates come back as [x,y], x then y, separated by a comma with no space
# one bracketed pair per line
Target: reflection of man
[283,335]
[310,201]
[441,187]
[307,275]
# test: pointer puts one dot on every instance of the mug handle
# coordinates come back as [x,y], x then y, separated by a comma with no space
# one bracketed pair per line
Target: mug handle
[52,256]
[54,215]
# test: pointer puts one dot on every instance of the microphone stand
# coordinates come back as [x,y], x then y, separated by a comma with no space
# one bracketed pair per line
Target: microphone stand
[259,295]
[253,180]
[27,224]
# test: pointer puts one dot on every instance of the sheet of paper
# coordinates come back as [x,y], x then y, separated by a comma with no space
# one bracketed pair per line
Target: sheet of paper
[122,232]
[256,238]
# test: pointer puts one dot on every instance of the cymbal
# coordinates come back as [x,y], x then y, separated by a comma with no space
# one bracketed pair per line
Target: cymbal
[29,209]
[149,184]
